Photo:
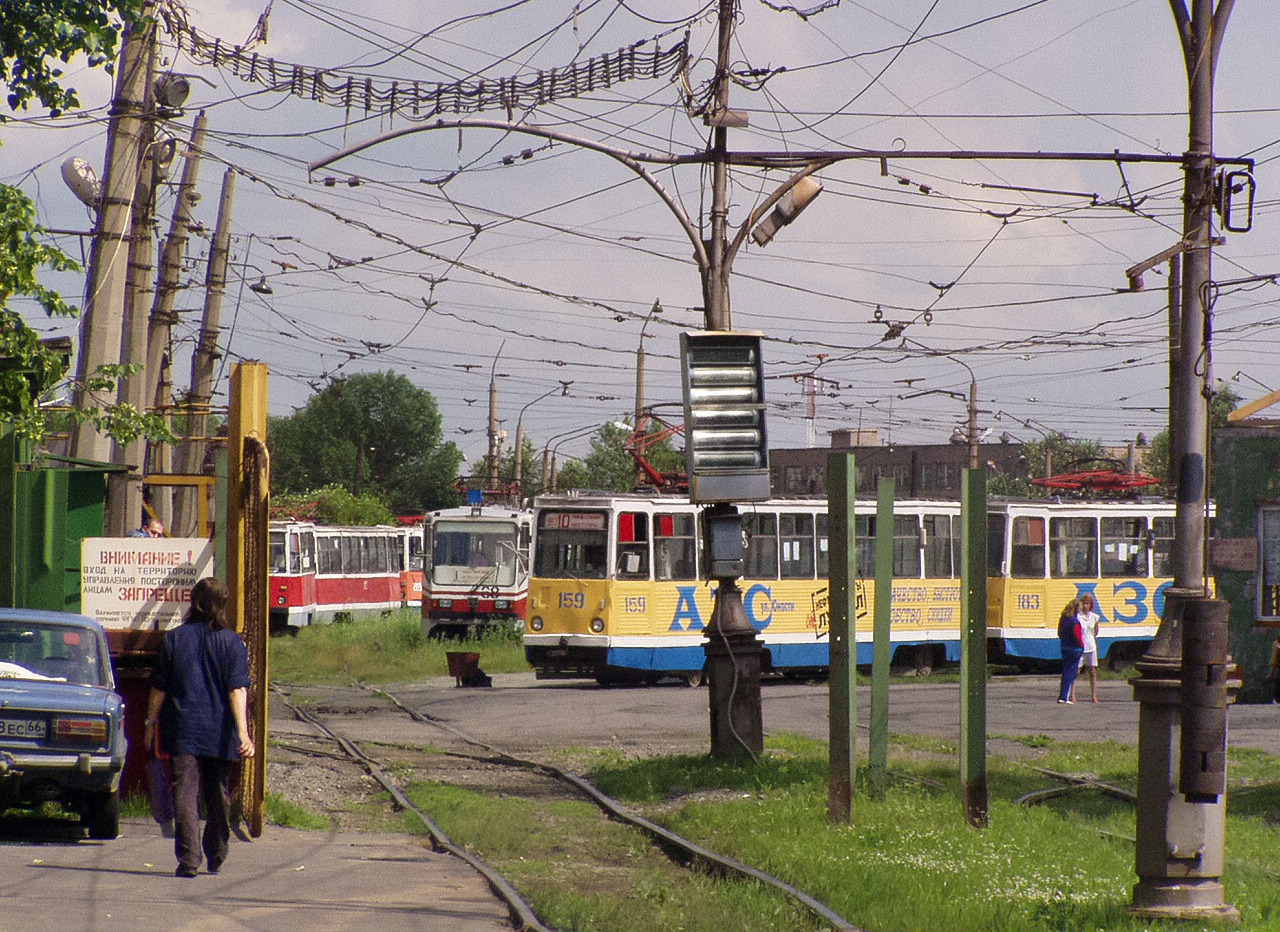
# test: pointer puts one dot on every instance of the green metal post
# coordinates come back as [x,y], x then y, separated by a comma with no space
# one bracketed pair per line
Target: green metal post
[973,648]
[882,650]
[843,693]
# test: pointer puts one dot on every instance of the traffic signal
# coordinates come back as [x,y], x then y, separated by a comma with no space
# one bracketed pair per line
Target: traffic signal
[724,436]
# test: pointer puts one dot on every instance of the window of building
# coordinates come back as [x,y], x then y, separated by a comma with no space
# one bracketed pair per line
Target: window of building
[1269,564]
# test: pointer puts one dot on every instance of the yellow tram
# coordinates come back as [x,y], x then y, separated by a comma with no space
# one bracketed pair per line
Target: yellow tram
[618,589]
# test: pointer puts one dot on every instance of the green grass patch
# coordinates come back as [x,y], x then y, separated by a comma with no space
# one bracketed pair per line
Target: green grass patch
[290,815]
[386,649]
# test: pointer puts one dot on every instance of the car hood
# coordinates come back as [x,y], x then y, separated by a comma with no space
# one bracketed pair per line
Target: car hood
[55,695]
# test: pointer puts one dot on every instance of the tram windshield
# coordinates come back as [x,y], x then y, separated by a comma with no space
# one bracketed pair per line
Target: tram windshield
[475,554]
[571,545]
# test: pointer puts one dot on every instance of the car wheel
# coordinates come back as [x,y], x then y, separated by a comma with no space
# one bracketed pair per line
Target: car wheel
[103,817]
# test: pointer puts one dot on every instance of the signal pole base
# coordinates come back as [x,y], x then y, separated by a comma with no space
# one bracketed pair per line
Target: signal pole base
[734,659]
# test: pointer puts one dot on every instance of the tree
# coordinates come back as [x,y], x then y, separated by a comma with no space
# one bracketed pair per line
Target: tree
[1155,462]
[333,505]
[610,467]
[372,434]
[34,34]
[1055,453]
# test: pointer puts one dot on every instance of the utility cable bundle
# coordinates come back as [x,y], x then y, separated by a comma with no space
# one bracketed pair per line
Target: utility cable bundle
[423,99]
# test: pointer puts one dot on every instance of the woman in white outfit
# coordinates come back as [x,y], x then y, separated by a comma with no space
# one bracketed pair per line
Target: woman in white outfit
[1088,619]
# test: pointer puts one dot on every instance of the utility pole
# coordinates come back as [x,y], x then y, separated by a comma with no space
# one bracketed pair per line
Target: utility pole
[124,505]
[973,422]
[494,448]
[206,356]
[159,368]
[1182,688]
[102,325]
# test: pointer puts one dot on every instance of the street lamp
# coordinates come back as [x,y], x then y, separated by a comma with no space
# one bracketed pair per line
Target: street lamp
[554,444]
[563,389]
[972,433]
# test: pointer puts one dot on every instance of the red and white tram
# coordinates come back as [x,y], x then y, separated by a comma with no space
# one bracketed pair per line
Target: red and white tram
[319,573]
[476,568]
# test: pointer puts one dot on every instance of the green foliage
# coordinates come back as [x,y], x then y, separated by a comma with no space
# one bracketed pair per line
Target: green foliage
[29,369]
[1055,453]
[610,467]
[1155,462]
[373,434]
[36,34]
[334,505]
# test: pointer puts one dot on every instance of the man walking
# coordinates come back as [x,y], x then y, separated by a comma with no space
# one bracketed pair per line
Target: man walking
[199,700]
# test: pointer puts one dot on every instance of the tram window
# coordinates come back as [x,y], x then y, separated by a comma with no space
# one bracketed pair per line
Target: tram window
[633,545]
[1027,552]
[906,547]
[384,559]
[1162,546]
[329,555]
[675,547]
[1269,564]
[415,551]
[1073,547]
[995,544]
[307,552]
[571,545]
[762,545]
[937,546]
[824,555]
[1124,546]
[864,545]
[796,534]
[277,554]
[350,549]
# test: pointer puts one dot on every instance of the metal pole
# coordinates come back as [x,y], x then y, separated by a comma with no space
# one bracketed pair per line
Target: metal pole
[1180,837]
[881,649]
[973,649]
[842,697]
[973,423]
[492,483]
[716,288]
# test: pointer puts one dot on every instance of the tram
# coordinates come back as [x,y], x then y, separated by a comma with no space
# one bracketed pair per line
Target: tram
[319,573]
[476,568]
[618,590]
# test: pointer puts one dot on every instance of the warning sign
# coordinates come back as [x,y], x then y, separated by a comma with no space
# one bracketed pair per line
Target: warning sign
[141,583]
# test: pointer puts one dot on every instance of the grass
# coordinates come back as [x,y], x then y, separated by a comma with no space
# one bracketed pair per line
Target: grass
[385,649]
[907,862]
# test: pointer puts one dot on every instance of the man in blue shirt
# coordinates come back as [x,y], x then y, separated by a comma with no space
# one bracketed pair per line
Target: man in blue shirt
[200,698]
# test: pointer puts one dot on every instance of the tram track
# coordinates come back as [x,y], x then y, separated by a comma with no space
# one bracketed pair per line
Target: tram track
[681,851]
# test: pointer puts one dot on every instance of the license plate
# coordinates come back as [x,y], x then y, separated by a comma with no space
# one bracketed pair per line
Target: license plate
[22,727]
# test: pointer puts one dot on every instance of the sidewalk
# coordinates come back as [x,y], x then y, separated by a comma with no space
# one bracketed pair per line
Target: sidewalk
[285,880]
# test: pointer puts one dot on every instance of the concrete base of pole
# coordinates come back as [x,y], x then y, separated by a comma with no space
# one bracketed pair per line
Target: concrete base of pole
[734,659]
[1182,899]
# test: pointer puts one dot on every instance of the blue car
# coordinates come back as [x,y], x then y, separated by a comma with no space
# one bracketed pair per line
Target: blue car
[61,721]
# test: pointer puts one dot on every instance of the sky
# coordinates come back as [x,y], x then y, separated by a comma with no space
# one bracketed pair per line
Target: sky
[453,256]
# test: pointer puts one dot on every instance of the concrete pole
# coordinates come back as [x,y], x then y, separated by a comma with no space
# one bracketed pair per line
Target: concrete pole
[102,326]
[716,281]
[492,483]
[206,356]
[159,368]
[124,505]
[1180,835]
[973,424]
[1175,365]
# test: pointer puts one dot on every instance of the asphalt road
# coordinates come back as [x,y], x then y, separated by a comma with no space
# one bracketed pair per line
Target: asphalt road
[523,715]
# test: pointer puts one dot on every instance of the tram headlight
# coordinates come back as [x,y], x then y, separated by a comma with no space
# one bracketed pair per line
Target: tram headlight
[535,623]
[597,625]
[502,603]
[444,603]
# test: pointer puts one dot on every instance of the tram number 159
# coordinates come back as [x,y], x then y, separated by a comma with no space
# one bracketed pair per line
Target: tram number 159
[573,600]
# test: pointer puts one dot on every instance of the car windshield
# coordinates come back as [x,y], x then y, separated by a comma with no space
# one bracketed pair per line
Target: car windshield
[35,651]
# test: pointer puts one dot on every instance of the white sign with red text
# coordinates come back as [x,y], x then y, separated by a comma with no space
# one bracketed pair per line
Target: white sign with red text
[141,583]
